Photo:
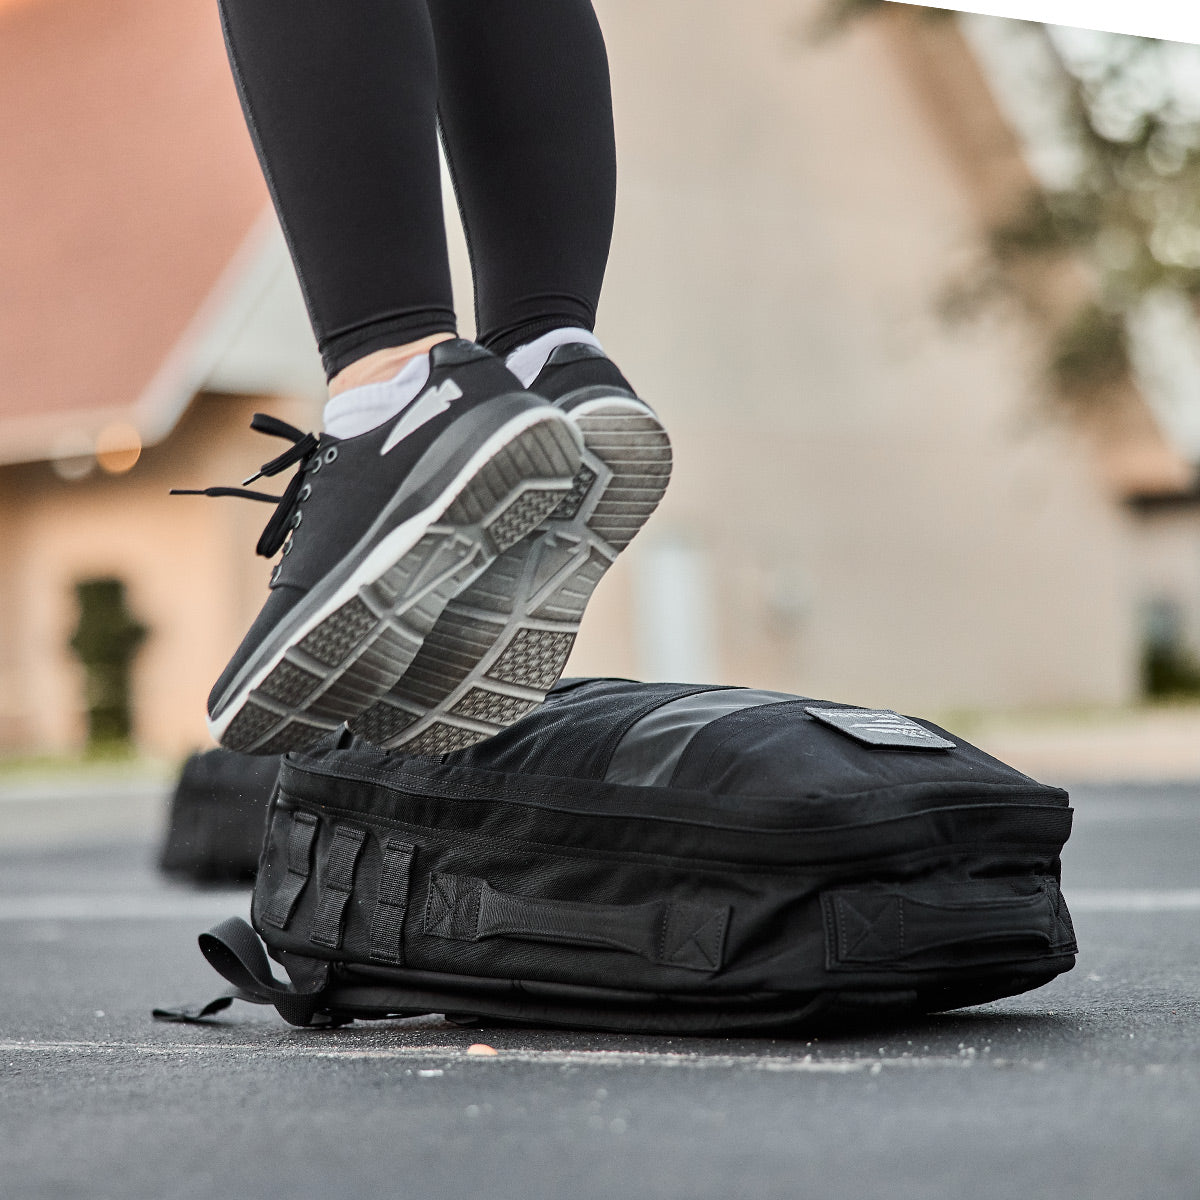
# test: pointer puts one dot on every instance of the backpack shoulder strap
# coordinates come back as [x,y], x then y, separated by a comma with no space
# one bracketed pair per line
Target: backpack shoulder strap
[234,950]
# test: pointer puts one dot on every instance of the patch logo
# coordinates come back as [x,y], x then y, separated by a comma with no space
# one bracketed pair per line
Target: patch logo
[880,727]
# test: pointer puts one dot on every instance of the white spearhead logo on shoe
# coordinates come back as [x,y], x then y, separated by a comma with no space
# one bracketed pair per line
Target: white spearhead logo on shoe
[424,408]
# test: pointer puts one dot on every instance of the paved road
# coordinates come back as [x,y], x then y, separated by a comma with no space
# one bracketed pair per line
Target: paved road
[1087,1088]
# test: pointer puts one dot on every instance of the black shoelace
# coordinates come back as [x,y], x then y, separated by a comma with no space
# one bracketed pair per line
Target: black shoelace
[304,450]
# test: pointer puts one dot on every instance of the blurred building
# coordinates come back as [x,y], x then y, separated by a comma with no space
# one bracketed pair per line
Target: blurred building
[146,310]
[869,503]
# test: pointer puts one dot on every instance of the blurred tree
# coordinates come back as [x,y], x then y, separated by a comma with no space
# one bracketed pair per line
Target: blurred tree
[1169,667]
[105,641]
[1169,672]
[1132,209]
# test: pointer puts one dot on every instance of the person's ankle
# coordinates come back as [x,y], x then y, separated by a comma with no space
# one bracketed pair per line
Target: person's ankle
[382,365]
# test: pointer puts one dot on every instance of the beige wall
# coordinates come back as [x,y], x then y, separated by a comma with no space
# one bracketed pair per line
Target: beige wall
[1168,565]
[187,562]
[787,218]
[877,505]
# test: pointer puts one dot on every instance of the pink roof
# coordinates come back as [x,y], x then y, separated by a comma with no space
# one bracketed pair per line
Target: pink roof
[127,183]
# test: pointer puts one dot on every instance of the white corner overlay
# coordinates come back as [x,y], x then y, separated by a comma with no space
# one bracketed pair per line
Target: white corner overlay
[1171,20]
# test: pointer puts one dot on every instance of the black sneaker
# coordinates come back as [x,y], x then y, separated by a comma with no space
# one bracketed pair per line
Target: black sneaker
[381,531]
[501,643]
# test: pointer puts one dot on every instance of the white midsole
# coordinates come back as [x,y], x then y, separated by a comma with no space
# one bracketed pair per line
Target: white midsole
[629,402]
[385,555]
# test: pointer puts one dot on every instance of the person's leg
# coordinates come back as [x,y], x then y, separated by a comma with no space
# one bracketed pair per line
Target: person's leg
[341,98]
[527,123]
[526,115]
[431,464]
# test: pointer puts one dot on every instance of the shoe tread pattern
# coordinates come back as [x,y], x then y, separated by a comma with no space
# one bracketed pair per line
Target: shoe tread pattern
[349,660]
[504,641]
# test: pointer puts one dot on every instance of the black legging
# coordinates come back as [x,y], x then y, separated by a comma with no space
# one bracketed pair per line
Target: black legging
[343,99]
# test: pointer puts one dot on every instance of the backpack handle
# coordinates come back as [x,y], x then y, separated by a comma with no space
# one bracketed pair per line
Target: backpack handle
[666,932]
[960,921]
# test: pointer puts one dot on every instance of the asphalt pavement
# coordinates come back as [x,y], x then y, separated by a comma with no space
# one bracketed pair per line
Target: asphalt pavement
[1089,1087]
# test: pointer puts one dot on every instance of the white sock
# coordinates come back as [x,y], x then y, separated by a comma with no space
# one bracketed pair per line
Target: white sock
[358,410]
[526,362]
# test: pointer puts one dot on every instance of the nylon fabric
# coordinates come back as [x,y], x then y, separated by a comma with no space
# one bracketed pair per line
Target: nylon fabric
[895,925]
[337,884]
[682,935]
[651,749]
[811,878]
[283,900]
[577,729]
[217,817]
[234,951]
[391,905]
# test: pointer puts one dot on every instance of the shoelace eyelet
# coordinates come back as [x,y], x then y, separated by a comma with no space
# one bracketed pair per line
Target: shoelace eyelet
[305,454]
[331,454]
[287,548]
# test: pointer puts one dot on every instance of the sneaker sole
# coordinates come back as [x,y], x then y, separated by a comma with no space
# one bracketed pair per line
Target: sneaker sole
[502,643]
[340,658]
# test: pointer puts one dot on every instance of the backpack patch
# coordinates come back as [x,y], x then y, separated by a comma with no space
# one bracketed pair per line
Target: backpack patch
[880,727]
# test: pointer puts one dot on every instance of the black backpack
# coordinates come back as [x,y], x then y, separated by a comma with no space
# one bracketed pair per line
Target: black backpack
[217,817]
[655,858]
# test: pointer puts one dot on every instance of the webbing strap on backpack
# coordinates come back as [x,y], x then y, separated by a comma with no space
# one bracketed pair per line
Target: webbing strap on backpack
[234,951]
[337,885]
[387,920]
[299,863]
[892,924]
[691,936]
